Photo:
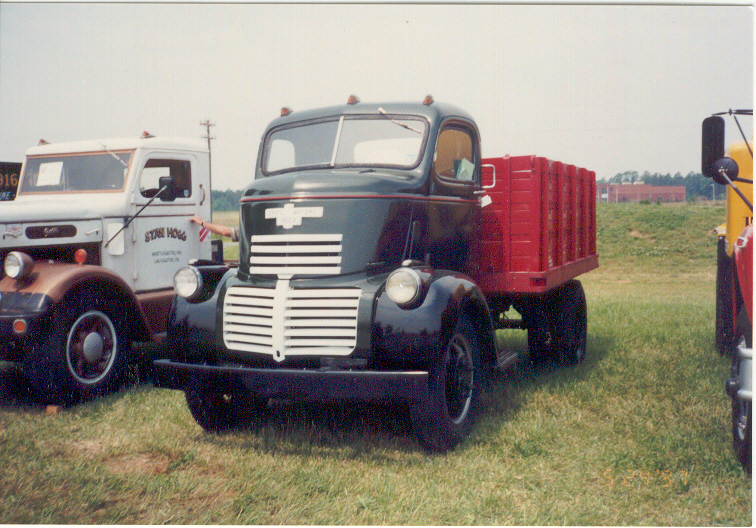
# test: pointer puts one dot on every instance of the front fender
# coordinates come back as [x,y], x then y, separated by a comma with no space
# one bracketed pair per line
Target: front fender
[416,337]
[55,279]
[34,297]
[192,325]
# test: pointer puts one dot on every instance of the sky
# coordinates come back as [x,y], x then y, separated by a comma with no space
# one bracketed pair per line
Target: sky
[612,88]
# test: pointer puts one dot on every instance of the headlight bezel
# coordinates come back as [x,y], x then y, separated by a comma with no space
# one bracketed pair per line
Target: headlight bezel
[21,268]
[404,286]
[190,287]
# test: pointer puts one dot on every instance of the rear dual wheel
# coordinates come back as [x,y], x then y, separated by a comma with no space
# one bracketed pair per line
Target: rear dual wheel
[570,324]
[558,325]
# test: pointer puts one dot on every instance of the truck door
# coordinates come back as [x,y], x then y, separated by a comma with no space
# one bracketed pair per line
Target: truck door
[453,203]
[164,237]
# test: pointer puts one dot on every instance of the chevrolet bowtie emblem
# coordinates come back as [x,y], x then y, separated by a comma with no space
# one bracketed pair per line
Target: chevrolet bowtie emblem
[289,216]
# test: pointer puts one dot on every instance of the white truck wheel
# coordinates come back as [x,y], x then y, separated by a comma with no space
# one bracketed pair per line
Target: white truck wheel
[84,355]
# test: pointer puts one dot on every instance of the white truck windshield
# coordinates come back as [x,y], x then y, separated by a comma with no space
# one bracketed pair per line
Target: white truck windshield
[75,173]
[359,141]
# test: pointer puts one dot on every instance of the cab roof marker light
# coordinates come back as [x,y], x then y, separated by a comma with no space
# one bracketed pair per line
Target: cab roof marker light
[285,111]
[428,100]
[353,99]
[146,135]
[43,142]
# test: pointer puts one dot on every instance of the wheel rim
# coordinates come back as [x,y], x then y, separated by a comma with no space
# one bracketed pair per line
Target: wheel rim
[91,347]
[742,419]
[459,379]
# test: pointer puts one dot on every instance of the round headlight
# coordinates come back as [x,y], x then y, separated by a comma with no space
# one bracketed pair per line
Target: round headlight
[188,282]
[18,265]
[403,286]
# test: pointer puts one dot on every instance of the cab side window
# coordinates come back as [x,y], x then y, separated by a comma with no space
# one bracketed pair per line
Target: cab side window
[453,158]
[156,168]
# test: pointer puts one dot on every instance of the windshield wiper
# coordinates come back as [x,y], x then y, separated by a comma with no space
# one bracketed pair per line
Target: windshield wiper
[404,125]
[113,154]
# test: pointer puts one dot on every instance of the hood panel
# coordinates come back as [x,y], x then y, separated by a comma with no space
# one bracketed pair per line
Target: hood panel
[328,236]
[337,181]
[62,207]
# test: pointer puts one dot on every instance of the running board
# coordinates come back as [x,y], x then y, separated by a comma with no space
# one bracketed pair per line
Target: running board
[505,359]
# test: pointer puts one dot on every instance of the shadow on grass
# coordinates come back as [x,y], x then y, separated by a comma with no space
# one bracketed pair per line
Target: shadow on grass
[506,392]
[339,430]
[16,392]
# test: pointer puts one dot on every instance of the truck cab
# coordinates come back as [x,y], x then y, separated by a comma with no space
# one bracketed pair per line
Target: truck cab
[90,246]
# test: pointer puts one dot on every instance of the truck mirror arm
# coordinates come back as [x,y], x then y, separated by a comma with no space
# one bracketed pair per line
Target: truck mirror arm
[136,214]
[723,174]
[735,116]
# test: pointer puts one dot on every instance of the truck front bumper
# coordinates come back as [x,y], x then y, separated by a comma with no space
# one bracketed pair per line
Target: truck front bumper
[740,386]
[322,385]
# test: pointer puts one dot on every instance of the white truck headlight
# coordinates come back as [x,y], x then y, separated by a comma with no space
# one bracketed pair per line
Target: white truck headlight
[188,283]
[403,286]
[18,265]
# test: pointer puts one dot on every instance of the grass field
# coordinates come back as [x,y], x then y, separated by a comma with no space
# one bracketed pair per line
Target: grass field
[638,434]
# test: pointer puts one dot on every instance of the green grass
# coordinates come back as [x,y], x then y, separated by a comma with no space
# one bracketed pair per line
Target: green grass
[638,434]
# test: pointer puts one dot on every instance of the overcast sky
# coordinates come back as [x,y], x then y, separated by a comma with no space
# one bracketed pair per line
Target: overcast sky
[611,88]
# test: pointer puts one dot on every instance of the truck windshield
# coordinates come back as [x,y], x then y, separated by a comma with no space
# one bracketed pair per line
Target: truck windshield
[359,141]
[75,173]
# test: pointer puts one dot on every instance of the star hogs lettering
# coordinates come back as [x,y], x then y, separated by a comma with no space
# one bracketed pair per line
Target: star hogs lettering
[164,232]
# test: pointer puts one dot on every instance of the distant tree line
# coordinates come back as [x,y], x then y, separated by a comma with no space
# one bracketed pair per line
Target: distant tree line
[227,200]
[696,184]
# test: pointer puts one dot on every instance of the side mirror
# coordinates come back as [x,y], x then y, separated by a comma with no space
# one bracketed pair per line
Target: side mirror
[712,144]
[724,167]
[169,194]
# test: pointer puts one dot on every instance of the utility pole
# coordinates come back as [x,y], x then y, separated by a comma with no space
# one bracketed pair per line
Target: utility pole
[207,124]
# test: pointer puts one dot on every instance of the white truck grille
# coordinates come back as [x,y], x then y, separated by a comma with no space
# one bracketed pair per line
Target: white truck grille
[283,322]
[288,255]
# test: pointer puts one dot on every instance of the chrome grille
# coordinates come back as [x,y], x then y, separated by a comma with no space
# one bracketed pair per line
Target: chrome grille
[288,255]
[283,322]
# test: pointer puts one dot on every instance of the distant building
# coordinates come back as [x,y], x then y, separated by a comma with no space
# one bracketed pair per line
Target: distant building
[617,193]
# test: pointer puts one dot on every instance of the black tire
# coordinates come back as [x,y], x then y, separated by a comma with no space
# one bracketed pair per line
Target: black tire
[448,414]
[570,323]
[85,354]
[218,412]
[723,330]
[742,409]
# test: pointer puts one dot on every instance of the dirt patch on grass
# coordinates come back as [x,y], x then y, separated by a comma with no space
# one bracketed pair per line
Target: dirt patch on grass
[87,448]
[637,234]
[139,463]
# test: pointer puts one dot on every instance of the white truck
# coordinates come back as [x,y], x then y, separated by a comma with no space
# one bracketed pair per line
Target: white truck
[89,249]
